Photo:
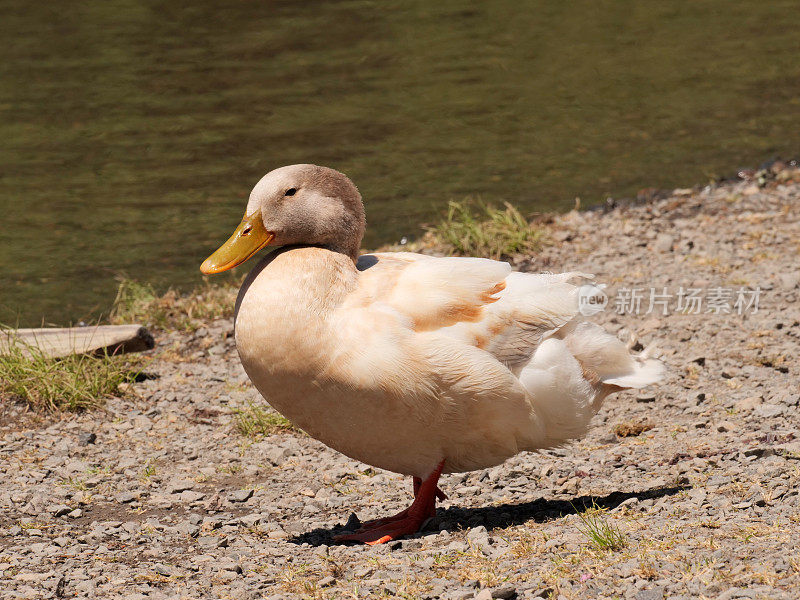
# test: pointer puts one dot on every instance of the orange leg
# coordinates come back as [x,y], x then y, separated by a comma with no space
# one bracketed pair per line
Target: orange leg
[403,513]
[406,522]
[439,493]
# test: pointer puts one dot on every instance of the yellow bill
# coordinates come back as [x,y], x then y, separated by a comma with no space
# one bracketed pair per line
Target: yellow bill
[250,237]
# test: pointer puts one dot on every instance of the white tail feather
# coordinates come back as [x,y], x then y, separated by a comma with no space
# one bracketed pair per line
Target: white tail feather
[645,372]
[602,354]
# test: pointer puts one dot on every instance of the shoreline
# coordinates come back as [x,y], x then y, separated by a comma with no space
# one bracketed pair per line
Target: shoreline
[422,242]
[552,225]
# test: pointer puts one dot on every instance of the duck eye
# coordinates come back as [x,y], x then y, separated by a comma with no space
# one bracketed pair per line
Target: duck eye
[290,192]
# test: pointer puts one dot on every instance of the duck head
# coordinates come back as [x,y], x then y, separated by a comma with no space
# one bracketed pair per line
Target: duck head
[295,205]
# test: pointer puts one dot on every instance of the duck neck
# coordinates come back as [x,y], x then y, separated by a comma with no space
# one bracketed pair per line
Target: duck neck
[295,280]
[351,250]
[344,231]
[283,308]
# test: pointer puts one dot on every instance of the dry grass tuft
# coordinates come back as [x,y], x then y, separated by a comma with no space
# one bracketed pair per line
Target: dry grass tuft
[257,421]
[474,228]
[140,303]
[75,382]
[632,428]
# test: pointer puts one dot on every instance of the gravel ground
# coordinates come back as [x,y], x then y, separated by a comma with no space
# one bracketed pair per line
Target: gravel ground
[159,496]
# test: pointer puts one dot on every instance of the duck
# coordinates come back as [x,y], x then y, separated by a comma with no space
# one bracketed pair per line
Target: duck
[416,364]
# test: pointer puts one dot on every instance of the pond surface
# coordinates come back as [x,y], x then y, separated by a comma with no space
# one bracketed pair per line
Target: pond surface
[132,131]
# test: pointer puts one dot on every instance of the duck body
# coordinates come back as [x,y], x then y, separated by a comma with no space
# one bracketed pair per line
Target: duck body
[415,364]
[402,360]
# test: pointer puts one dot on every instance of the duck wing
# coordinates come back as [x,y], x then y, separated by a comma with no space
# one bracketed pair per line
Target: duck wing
[477,301]
[429,292]
[482,304]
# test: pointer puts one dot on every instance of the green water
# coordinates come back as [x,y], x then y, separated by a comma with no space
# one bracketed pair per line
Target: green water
[132,132]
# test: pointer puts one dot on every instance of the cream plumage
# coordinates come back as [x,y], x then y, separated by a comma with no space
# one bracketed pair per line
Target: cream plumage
[410,363]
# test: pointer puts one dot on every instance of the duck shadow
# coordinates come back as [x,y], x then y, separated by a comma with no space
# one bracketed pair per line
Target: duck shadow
[500,516]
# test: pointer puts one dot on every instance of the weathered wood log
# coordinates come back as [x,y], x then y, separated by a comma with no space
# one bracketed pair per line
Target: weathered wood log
[55,342]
